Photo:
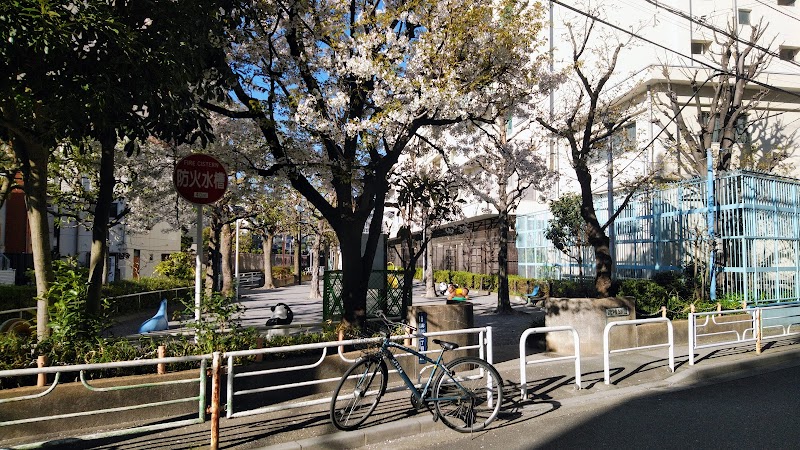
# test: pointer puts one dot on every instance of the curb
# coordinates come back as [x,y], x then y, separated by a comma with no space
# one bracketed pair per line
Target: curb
[688,378]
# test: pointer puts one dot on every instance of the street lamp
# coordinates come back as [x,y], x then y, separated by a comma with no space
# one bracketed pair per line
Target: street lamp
[298,265]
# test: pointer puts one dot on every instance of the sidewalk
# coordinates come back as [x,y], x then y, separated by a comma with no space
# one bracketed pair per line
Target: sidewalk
[550,386]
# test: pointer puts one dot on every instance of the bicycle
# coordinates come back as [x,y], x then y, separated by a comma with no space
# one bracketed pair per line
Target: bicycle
[466,393]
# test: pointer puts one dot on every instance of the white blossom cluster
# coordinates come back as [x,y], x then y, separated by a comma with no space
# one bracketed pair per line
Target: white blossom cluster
[374,79]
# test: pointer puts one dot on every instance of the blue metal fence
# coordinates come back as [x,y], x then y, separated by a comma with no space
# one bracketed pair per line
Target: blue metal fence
[757,236]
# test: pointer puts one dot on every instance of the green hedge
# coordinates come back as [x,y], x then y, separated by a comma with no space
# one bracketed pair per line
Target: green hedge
[15,297]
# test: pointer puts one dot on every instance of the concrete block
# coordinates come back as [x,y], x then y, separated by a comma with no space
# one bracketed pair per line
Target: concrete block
[446,318]
[589,317]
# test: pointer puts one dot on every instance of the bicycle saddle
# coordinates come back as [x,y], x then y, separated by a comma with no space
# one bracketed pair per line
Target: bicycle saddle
[446,345]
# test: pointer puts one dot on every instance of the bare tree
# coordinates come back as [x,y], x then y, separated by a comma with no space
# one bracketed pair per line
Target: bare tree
[593,116]
[723,104]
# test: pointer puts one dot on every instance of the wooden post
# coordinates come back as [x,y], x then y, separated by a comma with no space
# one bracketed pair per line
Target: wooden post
[162,352]
[259,344]
[691,308]
[664,312]
[215,399]
[758,331]
[41,379]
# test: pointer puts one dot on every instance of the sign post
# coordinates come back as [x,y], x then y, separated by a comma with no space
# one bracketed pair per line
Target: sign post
[199,179]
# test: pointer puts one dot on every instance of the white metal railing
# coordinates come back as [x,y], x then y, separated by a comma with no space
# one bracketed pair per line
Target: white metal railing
[607,352]
[200,398]
[484,346]
[764,323]
[18,310]
[523,362]
[139,295]
[5,263]
[713,319]
[249,279]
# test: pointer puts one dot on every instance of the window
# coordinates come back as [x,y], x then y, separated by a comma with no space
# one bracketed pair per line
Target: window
[744,17]
[625,137]
[630,132]
[787,53]
[786,2]
[699,47]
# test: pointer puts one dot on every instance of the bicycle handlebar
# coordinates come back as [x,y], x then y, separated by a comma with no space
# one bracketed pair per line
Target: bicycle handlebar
[389,323]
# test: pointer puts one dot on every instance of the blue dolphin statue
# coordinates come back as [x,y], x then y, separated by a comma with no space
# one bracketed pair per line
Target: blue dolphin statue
[157,322]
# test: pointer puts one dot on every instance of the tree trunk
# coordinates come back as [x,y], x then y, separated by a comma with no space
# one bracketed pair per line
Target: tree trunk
[212,266]
[409,266]
[102,211]
[503,297]
[355,275]
[430,283]
[34,159]
[315,292]
[266,247]
[225,260]
[596,235]
[297,248]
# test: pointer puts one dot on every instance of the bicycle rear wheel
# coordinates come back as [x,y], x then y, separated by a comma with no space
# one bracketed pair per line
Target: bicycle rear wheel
[469,395]
[358,393]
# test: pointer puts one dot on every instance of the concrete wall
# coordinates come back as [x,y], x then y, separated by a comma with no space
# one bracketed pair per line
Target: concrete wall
[589,317]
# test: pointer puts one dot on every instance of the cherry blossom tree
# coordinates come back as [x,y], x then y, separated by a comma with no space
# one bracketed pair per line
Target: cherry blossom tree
[339,89]
[499,164]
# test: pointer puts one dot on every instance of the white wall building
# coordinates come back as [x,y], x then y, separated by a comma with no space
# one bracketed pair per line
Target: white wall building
[679,35]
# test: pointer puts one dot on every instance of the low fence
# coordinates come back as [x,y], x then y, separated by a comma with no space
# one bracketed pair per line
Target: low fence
[523,357]
[234,376]
[58,371]
[753,325]
[251,279]
[484,343]
[670,344]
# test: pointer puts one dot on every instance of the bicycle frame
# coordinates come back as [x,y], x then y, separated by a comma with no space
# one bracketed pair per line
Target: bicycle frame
[418,394]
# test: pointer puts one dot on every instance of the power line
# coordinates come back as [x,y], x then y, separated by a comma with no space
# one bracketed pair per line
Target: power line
[715,29]
[778,10]
[642,38]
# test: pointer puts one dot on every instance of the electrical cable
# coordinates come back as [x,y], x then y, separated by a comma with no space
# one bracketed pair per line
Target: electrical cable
[665,48]
[715,29]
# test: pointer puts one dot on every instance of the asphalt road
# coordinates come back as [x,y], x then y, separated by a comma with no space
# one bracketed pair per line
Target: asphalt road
[745,413]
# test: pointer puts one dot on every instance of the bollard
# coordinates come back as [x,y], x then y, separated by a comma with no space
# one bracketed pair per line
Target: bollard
[41,379]
[259,345]
[162,352]
[216,364]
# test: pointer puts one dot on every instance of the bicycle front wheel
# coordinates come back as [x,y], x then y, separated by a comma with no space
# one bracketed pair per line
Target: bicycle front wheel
[468,395]
[358,393]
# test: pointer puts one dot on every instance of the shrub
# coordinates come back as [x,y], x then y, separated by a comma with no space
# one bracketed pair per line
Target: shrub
[649,295]
[178,266]
[15,297]
[69,320]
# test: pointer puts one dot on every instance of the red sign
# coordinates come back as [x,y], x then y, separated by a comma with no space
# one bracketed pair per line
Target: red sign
[200,179]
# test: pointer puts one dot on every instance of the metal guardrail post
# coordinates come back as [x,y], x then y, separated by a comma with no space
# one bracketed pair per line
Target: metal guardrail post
[523,363]
[607,352]
[692,331]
